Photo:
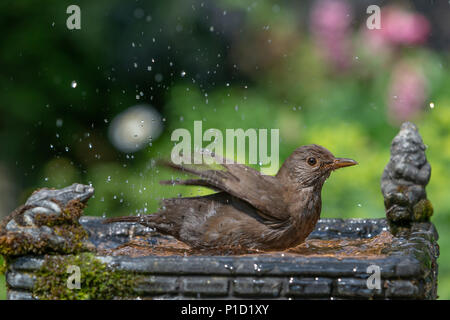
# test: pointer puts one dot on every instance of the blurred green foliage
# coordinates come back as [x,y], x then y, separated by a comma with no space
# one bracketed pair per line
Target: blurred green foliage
[247,65]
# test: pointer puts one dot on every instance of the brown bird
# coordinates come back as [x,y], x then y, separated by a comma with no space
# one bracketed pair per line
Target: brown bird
[250,210]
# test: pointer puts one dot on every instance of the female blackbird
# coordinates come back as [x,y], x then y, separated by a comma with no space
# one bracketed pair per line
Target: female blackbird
[250,210]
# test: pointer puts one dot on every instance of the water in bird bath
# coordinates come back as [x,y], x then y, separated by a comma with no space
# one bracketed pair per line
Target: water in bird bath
[364,248]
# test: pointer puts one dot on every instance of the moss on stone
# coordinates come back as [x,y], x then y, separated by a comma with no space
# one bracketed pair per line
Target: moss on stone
[98,281]
[16,244]
[65,225]
[69,215]
[423,210]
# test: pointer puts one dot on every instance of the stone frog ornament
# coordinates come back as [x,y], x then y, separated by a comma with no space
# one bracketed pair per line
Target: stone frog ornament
[47,222]
[405,177]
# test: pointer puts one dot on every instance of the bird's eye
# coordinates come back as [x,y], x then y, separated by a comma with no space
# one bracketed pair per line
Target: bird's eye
[311,161]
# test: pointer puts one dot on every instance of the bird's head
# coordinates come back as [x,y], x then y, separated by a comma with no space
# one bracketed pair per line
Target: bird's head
[311,165]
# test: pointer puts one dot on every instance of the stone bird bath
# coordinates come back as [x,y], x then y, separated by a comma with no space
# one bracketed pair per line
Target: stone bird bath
[52,252]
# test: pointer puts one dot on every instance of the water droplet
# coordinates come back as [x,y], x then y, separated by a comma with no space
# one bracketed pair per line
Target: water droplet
[73,84]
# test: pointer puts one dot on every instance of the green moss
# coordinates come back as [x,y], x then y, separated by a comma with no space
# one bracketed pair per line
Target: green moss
[423,210]
[2,266]
[400,229]
[69,215]
[2,288]
[97,280]
[16,244]
[65,225]
[2,278]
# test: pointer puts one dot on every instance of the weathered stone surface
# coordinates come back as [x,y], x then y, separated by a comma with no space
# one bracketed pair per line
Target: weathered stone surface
[253,266]
[354,288]
[408,269]
[402,289]
[257,287]
[157,285]
[204,286]
[19,280]
[19,295]
[404,179]
[27,263]
[309,287]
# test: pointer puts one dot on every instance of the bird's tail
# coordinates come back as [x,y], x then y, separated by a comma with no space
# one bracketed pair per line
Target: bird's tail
[122,219]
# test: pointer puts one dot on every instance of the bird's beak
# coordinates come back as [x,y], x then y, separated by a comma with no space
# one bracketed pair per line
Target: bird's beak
[343,162]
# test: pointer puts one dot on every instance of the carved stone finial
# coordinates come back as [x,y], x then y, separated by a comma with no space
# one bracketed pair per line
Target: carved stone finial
[47,222]
[405,177]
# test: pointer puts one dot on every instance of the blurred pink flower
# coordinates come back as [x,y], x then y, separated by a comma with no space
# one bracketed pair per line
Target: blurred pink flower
[330,26]
[407,92]
[400,27]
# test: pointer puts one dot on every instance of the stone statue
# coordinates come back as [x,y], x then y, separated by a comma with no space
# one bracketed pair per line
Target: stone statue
[47,222]
[405,177]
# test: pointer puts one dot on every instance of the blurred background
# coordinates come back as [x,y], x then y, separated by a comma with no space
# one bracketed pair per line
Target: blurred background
[98,105]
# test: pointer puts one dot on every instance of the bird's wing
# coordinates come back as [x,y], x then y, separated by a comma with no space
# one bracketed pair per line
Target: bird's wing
[263,192]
